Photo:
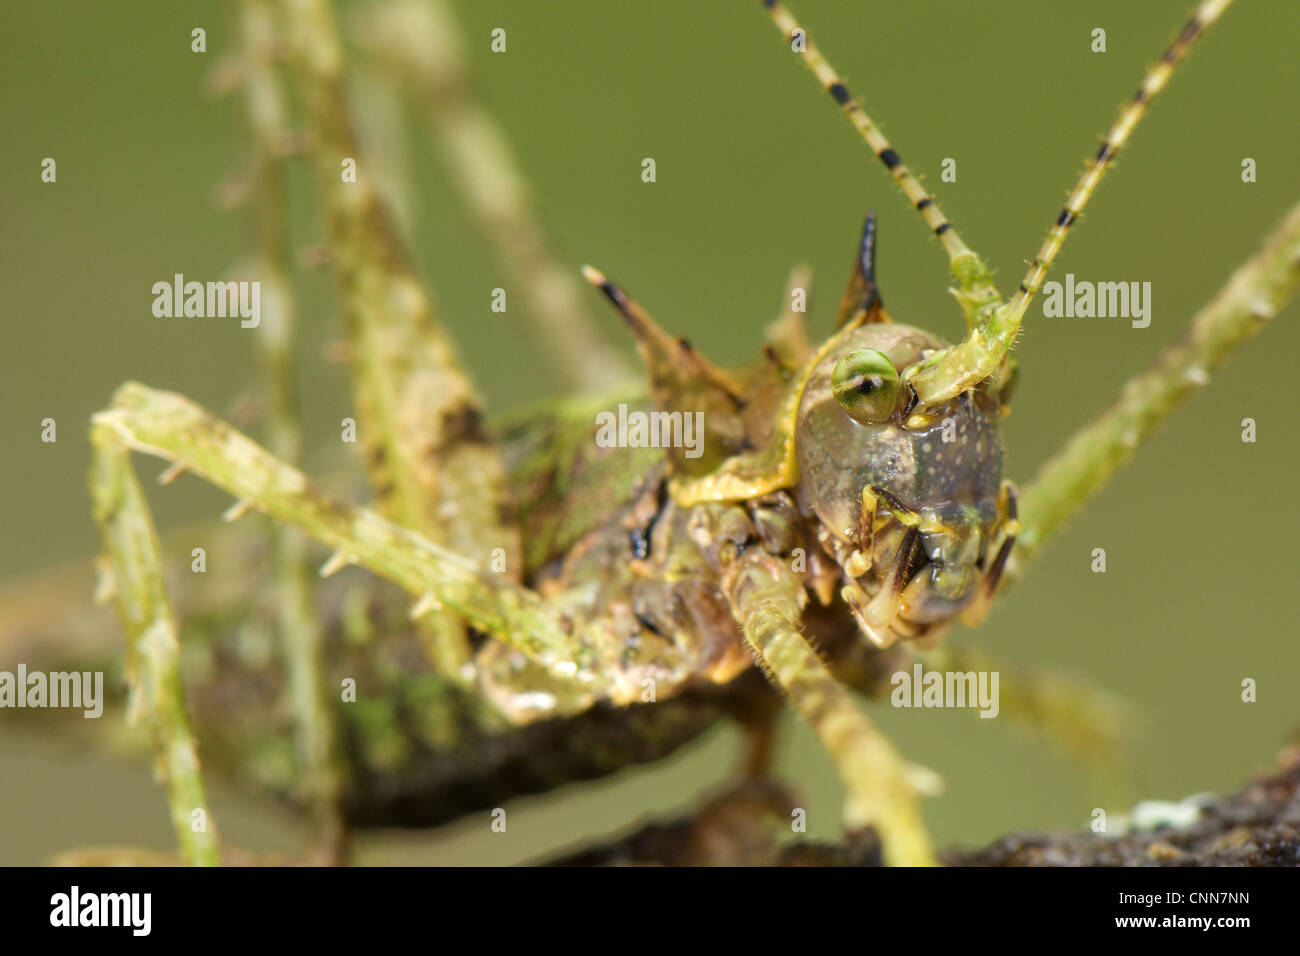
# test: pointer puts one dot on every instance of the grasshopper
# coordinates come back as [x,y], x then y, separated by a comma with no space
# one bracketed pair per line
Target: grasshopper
[576,607]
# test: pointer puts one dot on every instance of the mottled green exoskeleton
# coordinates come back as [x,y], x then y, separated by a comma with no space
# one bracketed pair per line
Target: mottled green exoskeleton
[844,501]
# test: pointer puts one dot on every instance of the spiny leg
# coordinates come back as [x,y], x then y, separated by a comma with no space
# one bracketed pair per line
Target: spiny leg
[135,580]
[766,601]
[173,428]
[976,291]
[300,628]
[432,464]
[963,366]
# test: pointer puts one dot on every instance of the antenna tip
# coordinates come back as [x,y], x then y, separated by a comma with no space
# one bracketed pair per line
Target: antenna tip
[612,292]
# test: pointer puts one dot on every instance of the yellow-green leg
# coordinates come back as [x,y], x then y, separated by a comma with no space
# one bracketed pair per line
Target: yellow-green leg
[299,627]
[133,576]
[881,788]
[431,463]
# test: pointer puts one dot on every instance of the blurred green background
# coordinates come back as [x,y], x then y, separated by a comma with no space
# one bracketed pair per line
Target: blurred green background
[756,171]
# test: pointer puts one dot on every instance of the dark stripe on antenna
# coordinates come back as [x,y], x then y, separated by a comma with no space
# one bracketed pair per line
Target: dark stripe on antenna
[1190,31]
[940,229]
[925,203]
[1185,39]
[1065,218]
[840,93]
[614,294]
[889,158]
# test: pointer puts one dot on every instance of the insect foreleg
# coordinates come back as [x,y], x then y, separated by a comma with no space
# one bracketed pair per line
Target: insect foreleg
[766,599]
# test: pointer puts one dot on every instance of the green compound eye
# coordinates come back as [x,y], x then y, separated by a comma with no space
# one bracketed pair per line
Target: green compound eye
[866,385]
